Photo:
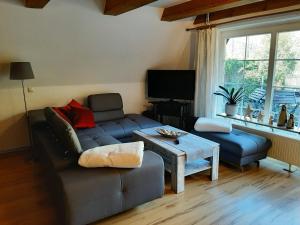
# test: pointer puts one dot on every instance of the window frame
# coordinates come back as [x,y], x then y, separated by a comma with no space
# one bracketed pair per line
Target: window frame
[273,30]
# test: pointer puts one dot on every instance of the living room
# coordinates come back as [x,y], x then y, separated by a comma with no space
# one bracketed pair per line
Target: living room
[110,57]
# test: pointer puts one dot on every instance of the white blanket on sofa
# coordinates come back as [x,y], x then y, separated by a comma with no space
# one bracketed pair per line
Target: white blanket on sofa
[204,124]
[125,155]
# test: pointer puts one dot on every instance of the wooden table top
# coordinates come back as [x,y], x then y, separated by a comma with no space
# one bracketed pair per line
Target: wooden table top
[187,143]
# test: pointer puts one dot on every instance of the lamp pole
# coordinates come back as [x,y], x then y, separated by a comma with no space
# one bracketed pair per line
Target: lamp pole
[24,97]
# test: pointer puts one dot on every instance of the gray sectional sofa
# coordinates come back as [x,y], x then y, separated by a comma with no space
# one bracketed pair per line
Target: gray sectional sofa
[87,195]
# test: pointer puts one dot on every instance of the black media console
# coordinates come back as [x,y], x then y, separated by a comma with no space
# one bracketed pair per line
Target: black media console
[171,108]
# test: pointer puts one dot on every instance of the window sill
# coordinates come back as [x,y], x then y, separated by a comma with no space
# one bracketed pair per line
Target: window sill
[268,130]
[261,128]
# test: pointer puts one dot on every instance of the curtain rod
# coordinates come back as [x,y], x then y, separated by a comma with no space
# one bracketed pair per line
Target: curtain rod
[207,26]
[202,27]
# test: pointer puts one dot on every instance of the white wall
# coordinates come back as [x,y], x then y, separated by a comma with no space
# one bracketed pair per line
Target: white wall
[75,50]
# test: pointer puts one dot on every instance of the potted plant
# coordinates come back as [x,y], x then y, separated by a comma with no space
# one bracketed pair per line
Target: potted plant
[232,98]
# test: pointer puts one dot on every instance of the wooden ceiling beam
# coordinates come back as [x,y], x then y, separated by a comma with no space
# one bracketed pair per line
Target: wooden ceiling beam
[117,7]
[258,9]
[38,4]
[198,7]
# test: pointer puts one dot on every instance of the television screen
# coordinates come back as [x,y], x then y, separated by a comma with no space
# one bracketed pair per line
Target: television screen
[171,84]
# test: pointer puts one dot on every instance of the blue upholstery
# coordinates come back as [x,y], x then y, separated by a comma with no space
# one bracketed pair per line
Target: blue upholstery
[124,127]
[108,132]
[95,140]
[238,147]
[143,122]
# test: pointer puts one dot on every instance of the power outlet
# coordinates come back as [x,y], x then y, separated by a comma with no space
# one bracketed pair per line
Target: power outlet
[30,89]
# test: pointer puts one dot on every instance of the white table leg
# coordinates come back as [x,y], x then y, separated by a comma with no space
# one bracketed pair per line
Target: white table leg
[215,164]
[177,174]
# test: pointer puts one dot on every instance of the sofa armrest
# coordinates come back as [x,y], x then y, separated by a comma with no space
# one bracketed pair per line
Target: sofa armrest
[37,117]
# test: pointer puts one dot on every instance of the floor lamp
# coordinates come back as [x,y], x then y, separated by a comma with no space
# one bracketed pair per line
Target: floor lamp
[22,71]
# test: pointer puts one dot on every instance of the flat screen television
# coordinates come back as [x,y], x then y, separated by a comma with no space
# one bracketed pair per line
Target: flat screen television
[171,84]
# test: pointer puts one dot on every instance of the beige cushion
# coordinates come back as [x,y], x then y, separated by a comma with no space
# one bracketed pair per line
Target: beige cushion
[204,124]
[125,155]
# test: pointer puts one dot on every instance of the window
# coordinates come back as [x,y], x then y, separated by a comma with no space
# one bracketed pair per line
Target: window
[267,66]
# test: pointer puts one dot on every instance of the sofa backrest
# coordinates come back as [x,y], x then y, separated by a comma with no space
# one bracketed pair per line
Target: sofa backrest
[63,131]
[106,106]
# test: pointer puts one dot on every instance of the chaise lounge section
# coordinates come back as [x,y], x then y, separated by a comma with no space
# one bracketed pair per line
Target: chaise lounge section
[239,148]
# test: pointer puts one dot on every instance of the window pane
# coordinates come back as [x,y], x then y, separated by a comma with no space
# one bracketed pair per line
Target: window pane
[290,97]
[246,66]
[256,72]
[235,48]
[287,73]
[286,85]
[258,46]
[234,71]
[288,45]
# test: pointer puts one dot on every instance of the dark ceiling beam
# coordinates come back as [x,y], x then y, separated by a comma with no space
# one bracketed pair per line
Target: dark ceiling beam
[198,7]
[38,4]
[258,9]
[117,7]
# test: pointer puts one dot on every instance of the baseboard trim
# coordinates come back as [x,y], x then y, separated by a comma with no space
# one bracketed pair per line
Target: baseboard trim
[20,149]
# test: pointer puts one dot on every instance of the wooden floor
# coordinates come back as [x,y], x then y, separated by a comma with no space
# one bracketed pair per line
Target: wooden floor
[258,196]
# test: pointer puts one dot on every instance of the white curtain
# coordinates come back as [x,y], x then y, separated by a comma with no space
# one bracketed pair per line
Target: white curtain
[207,77]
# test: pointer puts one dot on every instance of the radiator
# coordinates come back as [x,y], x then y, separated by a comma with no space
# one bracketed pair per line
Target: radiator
[286,149]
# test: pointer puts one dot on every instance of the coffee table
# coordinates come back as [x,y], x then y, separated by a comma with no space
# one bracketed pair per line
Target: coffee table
[175,155]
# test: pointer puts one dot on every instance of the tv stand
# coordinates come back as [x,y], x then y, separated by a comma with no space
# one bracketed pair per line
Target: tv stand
[171,108]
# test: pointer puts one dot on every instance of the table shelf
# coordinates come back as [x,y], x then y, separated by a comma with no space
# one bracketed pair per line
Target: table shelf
[196,166]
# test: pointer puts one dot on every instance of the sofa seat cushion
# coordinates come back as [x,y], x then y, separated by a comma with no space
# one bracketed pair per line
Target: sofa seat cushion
[93,194]
[90,131]
[238,142]
[118,128]
[142,121]
[95,137]
[124,127]
[110,132]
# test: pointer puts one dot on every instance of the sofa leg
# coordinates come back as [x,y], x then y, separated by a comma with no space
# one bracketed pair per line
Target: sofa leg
[257,163]
[242,169]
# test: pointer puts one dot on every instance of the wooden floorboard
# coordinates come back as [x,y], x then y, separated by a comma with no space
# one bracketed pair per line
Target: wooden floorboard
[265,195]
[24,197]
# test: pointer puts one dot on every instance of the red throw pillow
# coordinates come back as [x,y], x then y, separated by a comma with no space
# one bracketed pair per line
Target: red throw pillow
[82,118]
[67,109]
[62,114]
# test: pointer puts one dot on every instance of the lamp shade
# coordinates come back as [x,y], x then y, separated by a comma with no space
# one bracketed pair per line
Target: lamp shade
[21,71]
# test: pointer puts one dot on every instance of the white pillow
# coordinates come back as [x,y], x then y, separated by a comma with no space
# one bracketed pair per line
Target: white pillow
[204,124]
[126,155]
